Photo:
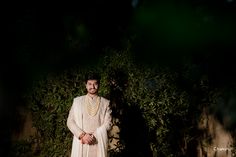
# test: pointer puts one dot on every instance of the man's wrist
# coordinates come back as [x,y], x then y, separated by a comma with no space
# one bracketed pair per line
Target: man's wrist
[81,135]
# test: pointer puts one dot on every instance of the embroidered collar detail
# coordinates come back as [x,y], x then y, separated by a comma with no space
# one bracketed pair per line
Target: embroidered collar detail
[92,106]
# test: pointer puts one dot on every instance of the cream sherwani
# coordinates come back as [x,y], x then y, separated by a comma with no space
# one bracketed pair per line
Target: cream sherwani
[81,120]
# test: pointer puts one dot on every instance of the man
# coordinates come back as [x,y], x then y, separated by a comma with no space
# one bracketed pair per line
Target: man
[89,120]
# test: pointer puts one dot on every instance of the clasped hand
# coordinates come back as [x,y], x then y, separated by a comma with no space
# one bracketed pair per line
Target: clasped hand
[88,138]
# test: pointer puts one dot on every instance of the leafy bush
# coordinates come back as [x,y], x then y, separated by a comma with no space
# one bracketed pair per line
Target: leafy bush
[149,99]
[49,103]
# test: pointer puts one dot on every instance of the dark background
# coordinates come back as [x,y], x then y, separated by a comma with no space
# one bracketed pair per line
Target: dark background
[44,38]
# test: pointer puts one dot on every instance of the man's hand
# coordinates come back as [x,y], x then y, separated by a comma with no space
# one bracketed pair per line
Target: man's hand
[88,138]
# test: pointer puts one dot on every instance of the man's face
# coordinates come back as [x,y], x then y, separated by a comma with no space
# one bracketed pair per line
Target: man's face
[92,86]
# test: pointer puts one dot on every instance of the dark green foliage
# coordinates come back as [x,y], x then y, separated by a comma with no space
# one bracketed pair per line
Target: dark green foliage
[49,103]
[22,148]
[150,100]
[155,114]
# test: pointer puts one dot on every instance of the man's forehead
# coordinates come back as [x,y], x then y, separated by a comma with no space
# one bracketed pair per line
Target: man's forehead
[92,81]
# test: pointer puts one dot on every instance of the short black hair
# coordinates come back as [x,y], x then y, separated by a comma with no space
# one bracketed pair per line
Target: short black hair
[92,76]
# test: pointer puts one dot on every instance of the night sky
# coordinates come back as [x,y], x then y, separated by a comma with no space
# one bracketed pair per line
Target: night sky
[44,38]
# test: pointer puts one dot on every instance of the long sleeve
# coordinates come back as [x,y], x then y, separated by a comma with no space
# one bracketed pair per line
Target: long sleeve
[101,132]
[108,119]
[71,124]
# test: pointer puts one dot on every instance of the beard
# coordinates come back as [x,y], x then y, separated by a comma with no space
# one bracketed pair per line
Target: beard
[92,91]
